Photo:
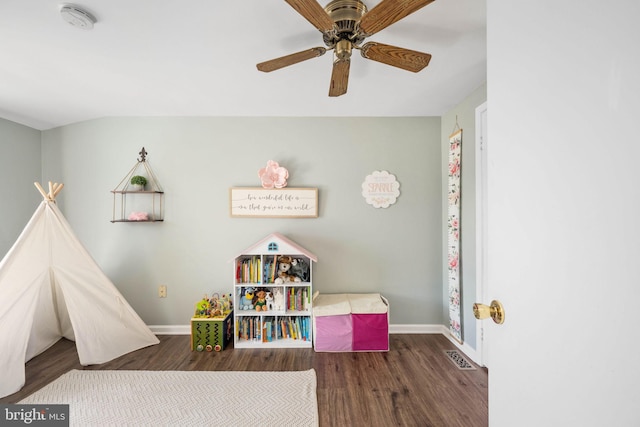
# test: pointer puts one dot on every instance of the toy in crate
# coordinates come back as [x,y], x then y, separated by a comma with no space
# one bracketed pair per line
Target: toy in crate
[211,325]
[216,306]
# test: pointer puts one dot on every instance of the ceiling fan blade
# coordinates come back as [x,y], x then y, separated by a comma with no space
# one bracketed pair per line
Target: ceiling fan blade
[314,13]
[339,77]
[406,59]
[388,12]
[294,58]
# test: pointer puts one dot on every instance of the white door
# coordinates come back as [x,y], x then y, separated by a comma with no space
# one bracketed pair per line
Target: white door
[563,202]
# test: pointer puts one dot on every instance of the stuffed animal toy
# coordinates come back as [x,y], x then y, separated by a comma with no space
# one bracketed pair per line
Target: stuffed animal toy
[138,216]
[259,300]
[278,299]
[246,302]
[284,265]
[269,299]
[300,268]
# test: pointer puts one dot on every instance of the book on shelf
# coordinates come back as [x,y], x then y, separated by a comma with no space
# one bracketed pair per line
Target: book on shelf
[298,299]
[251,328]
[249,270]
[269,332]
[274,268]
[291,333]
[269,270]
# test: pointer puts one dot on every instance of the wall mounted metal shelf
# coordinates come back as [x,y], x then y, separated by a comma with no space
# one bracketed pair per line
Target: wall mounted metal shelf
[144,205]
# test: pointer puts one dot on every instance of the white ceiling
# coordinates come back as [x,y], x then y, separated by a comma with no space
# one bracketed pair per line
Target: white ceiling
[198,57]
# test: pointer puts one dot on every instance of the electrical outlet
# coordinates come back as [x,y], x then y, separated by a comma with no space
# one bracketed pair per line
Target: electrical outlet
[162,291]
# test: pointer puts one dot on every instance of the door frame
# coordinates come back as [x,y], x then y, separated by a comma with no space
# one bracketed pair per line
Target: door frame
[481,225]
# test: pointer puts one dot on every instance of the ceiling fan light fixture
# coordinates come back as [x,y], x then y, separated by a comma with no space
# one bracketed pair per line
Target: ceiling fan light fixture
[343,49]
[77,17]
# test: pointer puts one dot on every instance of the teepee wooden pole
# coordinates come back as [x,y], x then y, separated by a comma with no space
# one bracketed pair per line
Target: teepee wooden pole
[54,190]
[41,190]
[57,189]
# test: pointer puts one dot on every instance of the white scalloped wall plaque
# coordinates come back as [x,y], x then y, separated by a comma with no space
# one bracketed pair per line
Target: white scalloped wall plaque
[380,189]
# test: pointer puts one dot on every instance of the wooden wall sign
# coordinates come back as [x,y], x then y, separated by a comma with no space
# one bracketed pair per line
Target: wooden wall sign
[252,202]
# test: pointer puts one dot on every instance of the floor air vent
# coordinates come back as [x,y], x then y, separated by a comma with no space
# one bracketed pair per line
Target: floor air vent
[459,360]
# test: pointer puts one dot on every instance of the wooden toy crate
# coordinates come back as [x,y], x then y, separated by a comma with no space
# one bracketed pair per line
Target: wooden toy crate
[211,333]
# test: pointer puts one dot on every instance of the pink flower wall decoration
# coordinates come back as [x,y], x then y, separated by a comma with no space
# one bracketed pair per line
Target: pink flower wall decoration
[273,176]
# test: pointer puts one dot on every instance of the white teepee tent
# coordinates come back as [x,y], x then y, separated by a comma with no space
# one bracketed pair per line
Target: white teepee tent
[50,287]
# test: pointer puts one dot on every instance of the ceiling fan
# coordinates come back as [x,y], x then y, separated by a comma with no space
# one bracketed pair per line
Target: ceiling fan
[344,25]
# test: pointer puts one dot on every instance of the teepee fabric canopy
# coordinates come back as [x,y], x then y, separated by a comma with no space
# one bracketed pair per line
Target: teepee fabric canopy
[50,287]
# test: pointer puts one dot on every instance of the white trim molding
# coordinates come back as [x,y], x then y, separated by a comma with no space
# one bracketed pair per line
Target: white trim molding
[393,329]
[416,329]
[171,329]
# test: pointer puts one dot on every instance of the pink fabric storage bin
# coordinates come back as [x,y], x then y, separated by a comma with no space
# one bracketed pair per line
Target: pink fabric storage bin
[334,333]
[350,322]
[370,332]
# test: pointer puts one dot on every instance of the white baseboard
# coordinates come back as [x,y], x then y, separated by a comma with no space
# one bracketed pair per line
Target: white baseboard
[393,329]
[464,347]
[171,329]
[415,329]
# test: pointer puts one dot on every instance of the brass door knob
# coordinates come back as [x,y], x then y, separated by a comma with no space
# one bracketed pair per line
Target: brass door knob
[495,311]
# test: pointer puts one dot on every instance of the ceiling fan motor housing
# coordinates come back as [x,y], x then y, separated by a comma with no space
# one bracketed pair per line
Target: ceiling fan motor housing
[345,14]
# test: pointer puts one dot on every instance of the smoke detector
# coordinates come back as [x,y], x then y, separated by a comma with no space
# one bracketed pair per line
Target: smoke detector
[77,17]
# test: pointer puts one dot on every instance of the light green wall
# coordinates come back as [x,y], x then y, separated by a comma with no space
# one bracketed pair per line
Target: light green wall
[399,251]
[396,251]
[464,115]
[20,167]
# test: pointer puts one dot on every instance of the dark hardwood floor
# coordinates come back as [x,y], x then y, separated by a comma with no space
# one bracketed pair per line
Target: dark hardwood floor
[413,384]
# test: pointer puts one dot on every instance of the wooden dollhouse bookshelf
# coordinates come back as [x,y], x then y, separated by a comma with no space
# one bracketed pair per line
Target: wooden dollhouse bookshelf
[286,321]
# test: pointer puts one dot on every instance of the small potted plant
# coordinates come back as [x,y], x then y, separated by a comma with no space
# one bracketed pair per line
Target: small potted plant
[138,182]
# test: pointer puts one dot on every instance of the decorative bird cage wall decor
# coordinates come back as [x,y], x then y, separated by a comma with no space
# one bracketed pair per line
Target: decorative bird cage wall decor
[138,197]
